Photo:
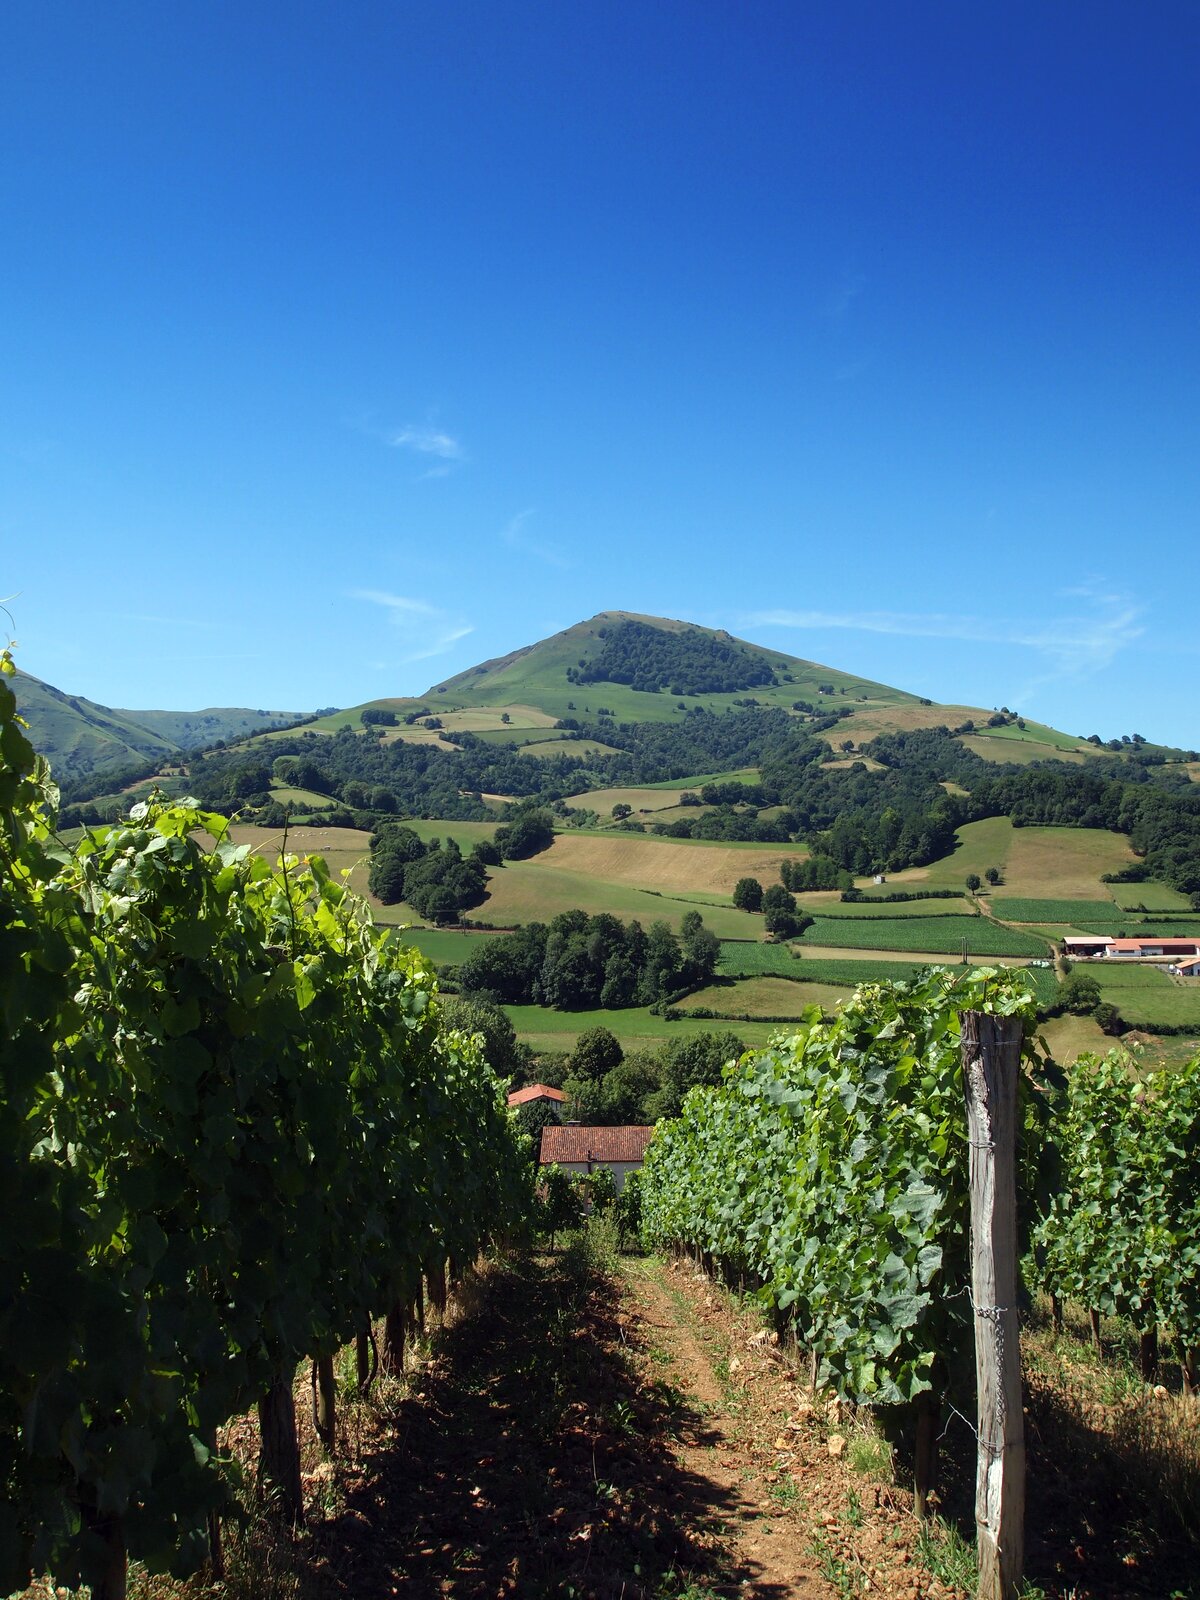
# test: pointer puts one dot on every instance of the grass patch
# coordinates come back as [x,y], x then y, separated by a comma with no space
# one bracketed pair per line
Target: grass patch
[445,947]
[942,935]
[636,1028]
[1146,995]
[538,889]
[766,997]
[1013,908]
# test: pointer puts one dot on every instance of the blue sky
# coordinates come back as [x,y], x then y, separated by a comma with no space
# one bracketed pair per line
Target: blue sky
[343,347]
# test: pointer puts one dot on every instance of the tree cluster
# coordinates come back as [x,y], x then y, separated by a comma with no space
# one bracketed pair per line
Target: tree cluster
[689,662]
[436,879]
[578,962]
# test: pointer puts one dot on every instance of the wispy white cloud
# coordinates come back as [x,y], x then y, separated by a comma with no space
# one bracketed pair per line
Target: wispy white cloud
[516,538]
[1076,643]
[428,629]
[429,442]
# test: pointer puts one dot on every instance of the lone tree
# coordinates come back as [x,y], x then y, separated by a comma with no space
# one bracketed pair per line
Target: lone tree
[992,875]
[748,894]
[974,882]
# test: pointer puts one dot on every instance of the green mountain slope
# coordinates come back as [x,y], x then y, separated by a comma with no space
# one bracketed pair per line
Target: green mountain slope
[516,698]
[80,736]
[538,675]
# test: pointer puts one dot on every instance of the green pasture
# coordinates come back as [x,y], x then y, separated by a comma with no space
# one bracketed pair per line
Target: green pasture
[286,795]
[637,1028]
[466,835]
[529,891]
[940,935]
[876,912]
[754,960]
[445,947]
[1035,863]
[1147,995]
[1036,733]
[1149,896]
[1014,908]
[741,775]
[766,997]
[563,746]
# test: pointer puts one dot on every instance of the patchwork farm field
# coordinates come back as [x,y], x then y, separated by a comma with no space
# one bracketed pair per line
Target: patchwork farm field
[755,960]
[1017,909]
[1050,863]
[535,891]
[637,1028]
[673,866]
[643,799]
[1147,996]
[945,935]
[834,909]
[766,997]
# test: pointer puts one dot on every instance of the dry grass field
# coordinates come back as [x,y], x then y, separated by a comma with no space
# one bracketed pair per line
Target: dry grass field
[1040,863]
[641,799]
[673,866]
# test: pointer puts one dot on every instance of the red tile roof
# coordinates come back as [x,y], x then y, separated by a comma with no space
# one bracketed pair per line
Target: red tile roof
[1167,945]
[578,1144]
[534,1091]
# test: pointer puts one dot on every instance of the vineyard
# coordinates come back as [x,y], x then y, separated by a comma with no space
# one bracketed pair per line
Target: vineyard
[232,1132]
[943,935]
[828,1175]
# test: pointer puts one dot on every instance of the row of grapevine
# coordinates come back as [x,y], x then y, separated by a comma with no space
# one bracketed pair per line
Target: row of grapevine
[1123,1234]
[830,1170]
[232,1130]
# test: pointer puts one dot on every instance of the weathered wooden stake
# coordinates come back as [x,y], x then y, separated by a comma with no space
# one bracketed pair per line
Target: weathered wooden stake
[925,1465]
[1148,1354]
[280,1452]
[1189,1370]
[991,1055]
[1056,1313]
[395,1331]
[362,1360]
[110,1576]
[324,1386]
[1094,1324]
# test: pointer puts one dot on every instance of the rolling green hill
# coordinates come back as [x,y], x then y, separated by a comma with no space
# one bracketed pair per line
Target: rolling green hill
[81,737]
[672,666]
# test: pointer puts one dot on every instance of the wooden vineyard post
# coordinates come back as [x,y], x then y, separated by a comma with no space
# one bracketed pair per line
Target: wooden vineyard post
[991,1054]
[324,1387]
[280,1451]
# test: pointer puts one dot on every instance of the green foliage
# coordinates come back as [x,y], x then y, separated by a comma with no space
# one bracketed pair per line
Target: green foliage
[689,662]
[577,962]
[1124,1233]
[526,835]
[748,894]
[597,1052]
[831,1168]
[232,1126]
[560,1201]
[1079,994]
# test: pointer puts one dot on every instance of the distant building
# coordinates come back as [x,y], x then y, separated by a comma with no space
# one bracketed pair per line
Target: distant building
[582,1149]
[1149,947]
[537,1092]
[1188,968]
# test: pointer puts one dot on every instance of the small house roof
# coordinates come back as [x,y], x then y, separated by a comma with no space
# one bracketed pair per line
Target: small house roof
[1167,945]
[534,1091]
[574,1144]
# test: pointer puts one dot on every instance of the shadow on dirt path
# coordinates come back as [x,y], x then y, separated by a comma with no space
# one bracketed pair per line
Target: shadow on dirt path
[539,1454]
